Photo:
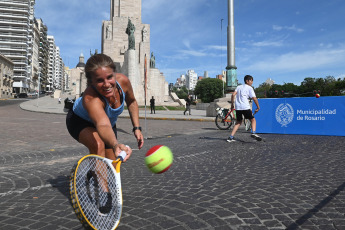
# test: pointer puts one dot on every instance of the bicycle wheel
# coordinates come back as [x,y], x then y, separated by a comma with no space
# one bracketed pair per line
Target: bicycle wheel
[247,124]
[223,124]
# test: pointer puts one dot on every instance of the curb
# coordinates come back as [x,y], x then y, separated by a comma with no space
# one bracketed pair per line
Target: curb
[210,119]
[140,117]
[173,119]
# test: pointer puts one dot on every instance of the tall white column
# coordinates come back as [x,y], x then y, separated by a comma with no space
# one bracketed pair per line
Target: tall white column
[231,35]
[231,73]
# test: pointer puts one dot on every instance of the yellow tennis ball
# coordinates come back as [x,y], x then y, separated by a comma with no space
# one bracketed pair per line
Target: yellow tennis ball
[159,159]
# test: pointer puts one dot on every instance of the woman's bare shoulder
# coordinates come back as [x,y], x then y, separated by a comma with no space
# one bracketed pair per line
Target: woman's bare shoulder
[121,77]
[123,81]
[91,96]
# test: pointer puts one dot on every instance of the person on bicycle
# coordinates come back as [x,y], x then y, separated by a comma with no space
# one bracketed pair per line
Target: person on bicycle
[92,121]
[240,97]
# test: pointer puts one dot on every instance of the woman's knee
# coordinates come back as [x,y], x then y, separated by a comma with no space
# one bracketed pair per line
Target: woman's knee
[92,141]
[97,147]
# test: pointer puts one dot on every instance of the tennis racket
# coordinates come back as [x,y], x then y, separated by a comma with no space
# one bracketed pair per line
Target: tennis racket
[95,189]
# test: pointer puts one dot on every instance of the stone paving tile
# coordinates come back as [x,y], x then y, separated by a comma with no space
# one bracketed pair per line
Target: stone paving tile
[286,182]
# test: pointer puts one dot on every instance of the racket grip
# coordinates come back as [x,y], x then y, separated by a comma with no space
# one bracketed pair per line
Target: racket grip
[122,155]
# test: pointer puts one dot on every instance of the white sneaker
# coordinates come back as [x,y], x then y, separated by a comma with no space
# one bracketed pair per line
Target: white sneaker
[230,139]
[256,137]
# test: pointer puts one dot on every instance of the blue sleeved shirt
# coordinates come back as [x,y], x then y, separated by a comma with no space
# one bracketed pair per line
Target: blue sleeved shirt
[79,110]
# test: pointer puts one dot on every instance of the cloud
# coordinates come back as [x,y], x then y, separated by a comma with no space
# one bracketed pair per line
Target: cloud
[186,43]
[291,62]
[326,45]
[278,28]
[193,53]
[292,28]
[268,43]
[216,47]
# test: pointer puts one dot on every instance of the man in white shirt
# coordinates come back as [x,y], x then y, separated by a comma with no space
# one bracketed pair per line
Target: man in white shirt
[242,95]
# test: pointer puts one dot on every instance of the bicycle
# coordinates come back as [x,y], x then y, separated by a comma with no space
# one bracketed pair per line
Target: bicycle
[248,124]
[225,118]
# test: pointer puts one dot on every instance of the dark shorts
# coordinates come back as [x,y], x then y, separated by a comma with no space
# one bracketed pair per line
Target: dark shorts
[76,124]
[247,114]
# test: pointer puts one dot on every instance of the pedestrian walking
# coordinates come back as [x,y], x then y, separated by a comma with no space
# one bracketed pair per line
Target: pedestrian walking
[188,102]
[240,97]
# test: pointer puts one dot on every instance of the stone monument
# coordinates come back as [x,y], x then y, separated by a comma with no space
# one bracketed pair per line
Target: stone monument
[127,40]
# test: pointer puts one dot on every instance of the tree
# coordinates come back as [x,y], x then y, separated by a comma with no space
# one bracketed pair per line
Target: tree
[308,85]
[263,90]
[290,90]
[328,86]
[209,89]
[182,93]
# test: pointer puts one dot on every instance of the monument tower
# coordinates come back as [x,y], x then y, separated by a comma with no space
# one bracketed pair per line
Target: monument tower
[130,9]
[127,40]
[114,37]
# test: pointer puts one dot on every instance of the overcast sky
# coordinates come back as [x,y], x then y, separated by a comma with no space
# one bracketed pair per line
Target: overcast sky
[285,40]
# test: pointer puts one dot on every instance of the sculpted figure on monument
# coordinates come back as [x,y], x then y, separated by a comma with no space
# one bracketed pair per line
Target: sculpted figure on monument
[144,31]
[108,32]
[152,61]
[130,31]
[96,52]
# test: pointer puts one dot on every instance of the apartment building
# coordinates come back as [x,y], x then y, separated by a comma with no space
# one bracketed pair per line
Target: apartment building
[59,70]
[35,41]
[180,82]
[37,65]
[43,56]
[51,62]
[30,44]
[6,77]
[66,85]
[55,65]
[14,39]
[191,79]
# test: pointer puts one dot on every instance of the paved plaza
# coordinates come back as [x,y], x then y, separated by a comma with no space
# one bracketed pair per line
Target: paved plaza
[283,182]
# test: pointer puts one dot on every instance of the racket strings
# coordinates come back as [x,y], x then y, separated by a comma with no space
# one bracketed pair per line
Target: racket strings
[98,192]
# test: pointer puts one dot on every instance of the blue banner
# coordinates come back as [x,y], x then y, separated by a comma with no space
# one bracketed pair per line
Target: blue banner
[304,115]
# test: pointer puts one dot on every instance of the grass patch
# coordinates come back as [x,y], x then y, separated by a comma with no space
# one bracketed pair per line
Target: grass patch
[178,108]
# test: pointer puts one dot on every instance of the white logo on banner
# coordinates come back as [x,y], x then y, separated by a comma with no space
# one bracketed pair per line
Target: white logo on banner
[284,114]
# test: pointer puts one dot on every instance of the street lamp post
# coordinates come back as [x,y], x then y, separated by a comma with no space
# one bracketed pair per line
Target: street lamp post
[231,73]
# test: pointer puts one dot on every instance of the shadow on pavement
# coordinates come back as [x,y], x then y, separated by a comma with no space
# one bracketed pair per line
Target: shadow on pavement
[62,184]
[312,212]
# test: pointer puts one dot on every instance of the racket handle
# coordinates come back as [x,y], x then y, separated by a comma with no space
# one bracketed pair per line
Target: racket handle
[122,155]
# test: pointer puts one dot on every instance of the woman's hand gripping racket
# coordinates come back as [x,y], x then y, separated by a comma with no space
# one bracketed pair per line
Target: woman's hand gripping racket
[95,189]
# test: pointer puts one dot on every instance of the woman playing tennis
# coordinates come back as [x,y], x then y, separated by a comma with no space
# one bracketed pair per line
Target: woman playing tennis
[92,121]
